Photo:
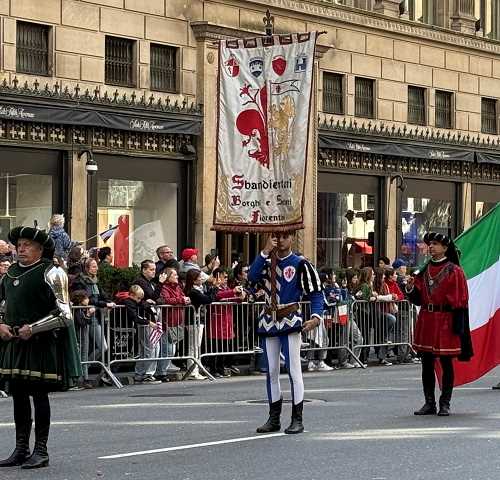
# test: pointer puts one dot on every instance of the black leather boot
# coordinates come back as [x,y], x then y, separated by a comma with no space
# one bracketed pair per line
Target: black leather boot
[444,409]
[40,457]
[427,409]
[296,425]
[22,451]
[446,392]
[444,403]
[429,385]
[273,422]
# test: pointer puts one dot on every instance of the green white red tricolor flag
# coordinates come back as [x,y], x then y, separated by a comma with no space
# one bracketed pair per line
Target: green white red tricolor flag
[480,260]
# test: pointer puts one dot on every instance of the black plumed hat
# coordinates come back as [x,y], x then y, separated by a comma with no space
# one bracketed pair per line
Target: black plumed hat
[436,237]
[35,234]
[452,253]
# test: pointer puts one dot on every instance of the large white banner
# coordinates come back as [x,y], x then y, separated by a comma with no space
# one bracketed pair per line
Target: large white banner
[264,102]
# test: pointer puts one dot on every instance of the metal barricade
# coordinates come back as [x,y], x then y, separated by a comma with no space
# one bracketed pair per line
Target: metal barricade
[335,332]
[172,334]
[92,334]
[383,325]
[230,329]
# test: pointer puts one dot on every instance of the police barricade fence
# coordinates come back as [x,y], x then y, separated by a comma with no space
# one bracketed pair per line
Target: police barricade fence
[228,328]
[92,335]
[172,333]
[108,337]
[383,325]
[337,331]
[231,329]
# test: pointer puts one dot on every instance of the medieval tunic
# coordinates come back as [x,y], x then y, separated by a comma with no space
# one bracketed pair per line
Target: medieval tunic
[47,361]
[441,290]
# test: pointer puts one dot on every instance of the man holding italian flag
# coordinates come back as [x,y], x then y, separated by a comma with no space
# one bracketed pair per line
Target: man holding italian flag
[450,293]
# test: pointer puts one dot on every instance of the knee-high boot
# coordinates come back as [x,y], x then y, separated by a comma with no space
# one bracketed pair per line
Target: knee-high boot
[447,386]
[429,385]
[22,418]
[296,425]
[22,451]
[273,423]
[40,456]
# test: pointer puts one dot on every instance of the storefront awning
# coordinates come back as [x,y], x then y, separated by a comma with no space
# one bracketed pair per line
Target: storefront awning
[102,116]
[408,150]
[483,157]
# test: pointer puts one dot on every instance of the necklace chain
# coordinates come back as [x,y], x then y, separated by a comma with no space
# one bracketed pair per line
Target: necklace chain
[16,278]
[432,279]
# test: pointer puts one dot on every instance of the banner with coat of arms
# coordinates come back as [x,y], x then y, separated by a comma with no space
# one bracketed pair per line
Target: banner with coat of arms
[264,98]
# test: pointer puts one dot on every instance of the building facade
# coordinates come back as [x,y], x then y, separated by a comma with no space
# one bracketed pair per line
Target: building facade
[404,137]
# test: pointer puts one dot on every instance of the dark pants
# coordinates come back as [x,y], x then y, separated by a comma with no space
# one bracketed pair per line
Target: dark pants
[23,416]
[429,378]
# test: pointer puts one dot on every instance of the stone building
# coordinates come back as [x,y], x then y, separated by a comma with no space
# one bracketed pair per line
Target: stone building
[404,137]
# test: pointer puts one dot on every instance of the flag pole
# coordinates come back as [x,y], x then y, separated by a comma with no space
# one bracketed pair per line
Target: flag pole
[269,29]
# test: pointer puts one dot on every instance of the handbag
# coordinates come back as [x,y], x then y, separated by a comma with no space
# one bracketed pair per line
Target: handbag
[176,334]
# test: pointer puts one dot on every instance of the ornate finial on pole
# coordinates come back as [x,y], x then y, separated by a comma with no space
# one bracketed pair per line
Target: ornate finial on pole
[268,23]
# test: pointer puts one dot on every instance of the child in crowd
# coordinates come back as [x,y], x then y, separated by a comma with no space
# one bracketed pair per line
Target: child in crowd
[82,318]
[142,315]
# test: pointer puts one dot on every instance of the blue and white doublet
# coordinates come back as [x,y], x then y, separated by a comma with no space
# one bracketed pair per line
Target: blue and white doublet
[296,279]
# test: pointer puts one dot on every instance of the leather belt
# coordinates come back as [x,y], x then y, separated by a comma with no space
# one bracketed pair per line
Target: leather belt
[432,307]
[283,311]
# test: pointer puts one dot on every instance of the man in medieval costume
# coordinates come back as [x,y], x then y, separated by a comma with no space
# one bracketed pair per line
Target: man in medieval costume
[442,328]
[38,350]
[281,322]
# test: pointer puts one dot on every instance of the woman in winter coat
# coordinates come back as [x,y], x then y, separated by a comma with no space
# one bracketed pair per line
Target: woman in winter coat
[88,282]
[199,297]
[173,321]
[220,332]
[368,314]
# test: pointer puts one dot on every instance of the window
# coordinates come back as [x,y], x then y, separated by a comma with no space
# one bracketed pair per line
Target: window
[488,13]
[146,213]
[120,61]
[163,68]
[363,100]
[426,206]
[347,225]
[443,109]
[489,115]
[333,94]
[32,48]
[486,197]
[416,105]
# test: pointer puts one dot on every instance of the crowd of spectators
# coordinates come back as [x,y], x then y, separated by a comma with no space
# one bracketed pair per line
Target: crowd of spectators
[160,302]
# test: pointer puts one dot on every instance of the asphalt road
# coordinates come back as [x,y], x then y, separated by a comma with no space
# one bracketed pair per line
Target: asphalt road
[359,426]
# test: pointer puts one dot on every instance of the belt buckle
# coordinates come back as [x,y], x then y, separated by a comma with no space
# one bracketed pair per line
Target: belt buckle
[15,331]
[430,307]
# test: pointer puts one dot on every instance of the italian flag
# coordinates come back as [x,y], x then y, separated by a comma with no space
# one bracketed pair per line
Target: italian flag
[480,260]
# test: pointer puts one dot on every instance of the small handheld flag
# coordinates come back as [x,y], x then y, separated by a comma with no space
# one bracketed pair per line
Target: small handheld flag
[155,334]
[107,234]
